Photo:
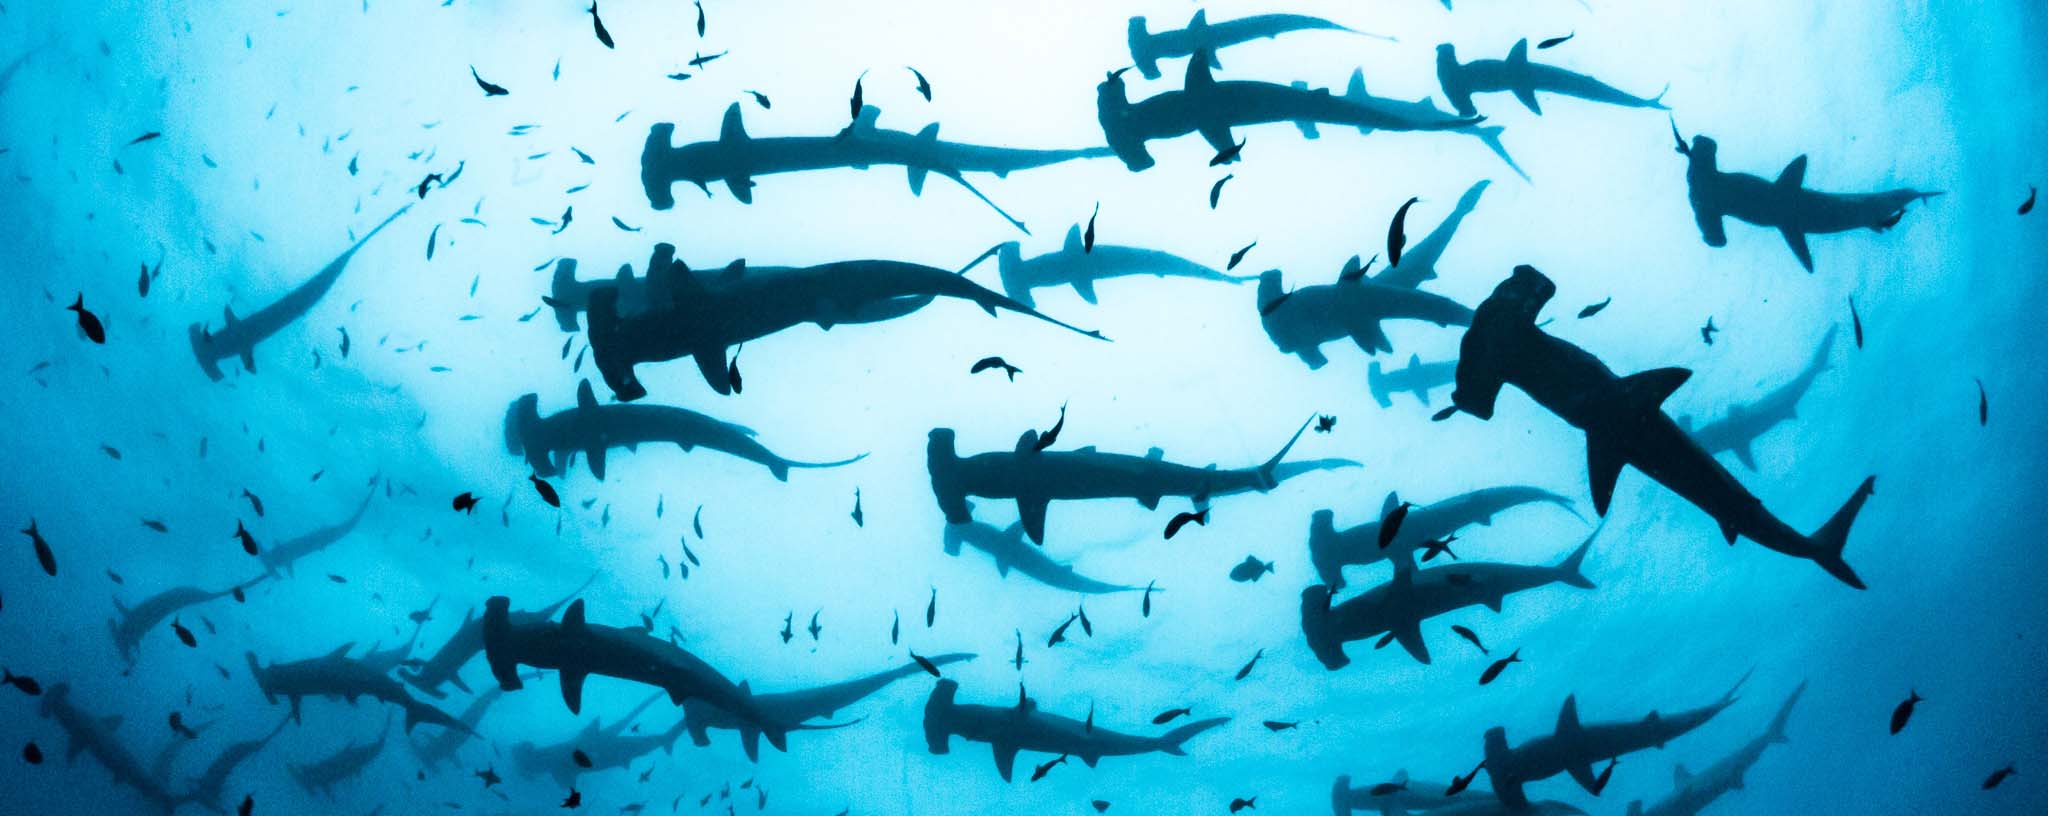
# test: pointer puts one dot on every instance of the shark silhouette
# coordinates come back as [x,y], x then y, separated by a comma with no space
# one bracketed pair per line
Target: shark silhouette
[1785,205]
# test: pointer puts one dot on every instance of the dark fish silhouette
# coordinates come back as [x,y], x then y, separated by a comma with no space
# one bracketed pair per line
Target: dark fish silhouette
[1042,770]
[185,635]
[466,503]
[925,663]
[622,225]
[1242,804]
[1059,635]
[1707,331]
[88,322]
[762,100]
[1170,715]
[859,518]
[1325,423]
[248,805]
[546,491]
[1460,783]
[931,609]
[254,502]
[787,633]
[1238,256]
[1216,190]
[702,60]
[814,628]
[1983,405]
[575,798]
[1390,525]
[1856,322]
[1555,41]
[700,19]
[142,283]
[1397,236]
[1280,725]
[895,626]
[1199,517]
[854,104]
[248,541]
[987,363]
[1046,440]
[28,685]
[581,759]
[2027,206]
[1438,546]
[1229,154]
[697,525]
[924,87]
[43,555]
[489,88]
[31,754]
[1998,776]
[1247,670]
[1088,235]
[603,36]
[1086,627]
[1146,610]
[1607,773]
[732,372]
[146,137]
[1904,711]
[1250,569]
[1492,672]
[1472,636]
[1594,309]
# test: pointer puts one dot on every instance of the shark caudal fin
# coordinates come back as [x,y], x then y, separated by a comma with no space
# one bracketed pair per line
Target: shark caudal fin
[781,467]
[1315,627]
[1490,135]
[1451,76]
[1375,382]
[561,291]
[1140,41]
[1267,480]
[1322,548]
[1828,542]
[1570,570]
[1170,742]
[938,713]
[1776,733]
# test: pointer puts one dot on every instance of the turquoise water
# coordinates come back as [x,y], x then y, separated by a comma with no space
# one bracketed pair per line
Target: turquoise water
[289,132]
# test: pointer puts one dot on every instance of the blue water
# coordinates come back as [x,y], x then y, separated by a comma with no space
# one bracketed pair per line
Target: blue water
[263,108]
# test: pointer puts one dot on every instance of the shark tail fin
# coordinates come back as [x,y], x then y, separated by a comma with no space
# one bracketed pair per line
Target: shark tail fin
[1322,548]
[1170,742]
[1267,471]
[1570,570]
[561,291]
[1828,542]
[1140,41]
[1375,382]
[1776,734]
[938,709]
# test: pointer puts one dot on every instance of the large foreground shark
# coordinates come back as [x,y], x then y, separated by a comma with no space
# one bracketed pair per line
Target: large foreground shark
[548,443]
[1574,748]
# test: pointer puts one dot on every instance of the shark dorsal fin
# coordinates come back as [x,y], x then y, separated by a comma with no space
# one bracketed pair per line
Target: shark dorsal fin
[1356,87]
[1085,449]
[1353,270]
[865,122]
[736,269]
[1199,77]
[732,130]
[1155,454]
[1649,389]
[1679,775]
[585,397]
[1400,777]
[1795,173]
[1073,242]
[1568,716]
[1414,360]
[930,133]
[1200,20]
[1027,441]
[573,618]
[1653,717]
[341,650]
[228,314]
[625,274]
[1393,501]
[1518,56]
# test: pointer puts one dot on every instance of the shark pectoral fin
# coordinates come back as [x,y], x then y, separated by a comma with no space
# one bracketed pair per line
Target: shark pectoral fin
[1085,287]
[1031,513]
[1090,759]
[742,188]
[1525,82]
[1583,774]
[1312,356]
[1217,134]
[1371,339]
[572,689]
[1603,469]
[750,741]
[1797,241]
[1002,568]
[1006,759]
[1410,636]
[594,455]
[917,175]
[249,353]
[711,362]
[1647,390]
[1744,455]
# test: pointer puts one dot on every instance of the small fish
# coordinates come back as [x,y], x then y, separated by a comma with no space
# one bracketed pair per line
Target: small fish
[1046,440]
[344,341]
[987,363]
[254,502]
[1244,804]
[146,137]
[860,519]
[1983,405]
[1146,609]
[1280,725]
[575,797]
[895,626]
[1059,635]
[697,523]
[1199,517]
[88,322]
[142,283]
[465,503]
[679,76]
[605,37]
[1100,806]
[1998,776]
[1238,256]
[1856,322]
[489,777]
[1250,569]
[622,225]
[489,88]
[240,596]
[853,105]
[931,609]
[568,216]
[1472,636]
[1228,154]
[1397,237]
[331,577]
[814,628]
[690,555]
[1904,711]
[2027,206]
[1460,783]
[1594,309]
[1387,788]
[581,759]
[702,60]
[31,754]
[1018,661]
[787,633]
[1216,190]
[1042,770]
[1554,42]
[432,237]
[179,727]
[732,372]
[1086,627]
[546,491]
[1438,546]
[924,86]
[1707,332]
[1326,423]
[1088,235]
[1390,526]
[242,535]
[43,555]
[26,684]
[700,19]
[248,805]
[184,634]
[1606,774]
[1499,666]
[111,452]
[1170,715]
[761,99]
[1247,670]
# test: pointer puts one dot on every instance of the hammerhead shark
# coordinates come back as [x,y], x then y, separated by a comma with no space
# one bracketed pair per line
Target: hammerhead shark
[1148,48]
[131,624]
[736,158]
[604,746]
[1574,748]
[576,649]
[1418,378]
[1428,797]
[1624,422]
[1022,727]
[345,764]
[440,749]
[1785,204]
[1212,108]
[1331,550]
[1693,793]
[703,320]
[793,708]
[1397,608]
[1035,478]
[1742,423]
[335,674]
[239,336]
[280,557]
[1300,321]
[86,733]
[445,667]
[1078,266]
[591,429]
[208,788]
[1523,78]
[1010,552]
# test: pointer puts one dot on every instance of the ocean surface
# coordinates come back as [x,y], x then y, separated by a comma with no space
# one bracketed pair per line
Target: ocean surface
[170,163]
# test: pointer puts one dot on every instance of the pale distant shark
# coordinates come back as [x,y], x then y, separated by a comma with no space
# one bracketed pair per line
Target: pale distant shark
[1149,47]
[1023,727]
[1429,798]
[1010,551]
[337,675]
[1081,267]
[1524,79]
[440,749]
[1742,423]
[1035,478]
[210,787]
[1331,550]
[736,158]
[793,709]
[1397,609]
[131,624]
[281,557]
[89,734]
[1417,378]
[238,337]
[604,746]
[1785,205]
[1574,748]
[549,444]
[320,776]
[1692,793]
